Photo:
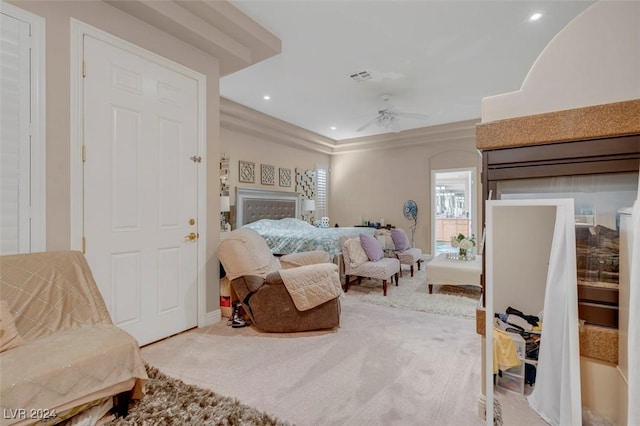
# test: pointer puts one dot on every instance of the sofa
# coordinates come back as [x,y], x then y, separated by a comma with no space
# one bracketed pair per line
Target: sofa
[61,353]
[262,283]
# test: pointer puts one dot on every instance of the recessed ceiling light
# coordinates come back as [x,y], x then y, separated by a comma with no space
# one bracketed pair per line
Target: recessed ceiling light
[535,16]
[333,127]
[266,97]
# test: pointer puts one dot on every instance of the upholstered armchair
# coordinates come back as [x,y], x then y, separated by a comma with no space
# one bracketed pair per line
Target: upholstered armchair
[363,257]
[296,292]
[405,253]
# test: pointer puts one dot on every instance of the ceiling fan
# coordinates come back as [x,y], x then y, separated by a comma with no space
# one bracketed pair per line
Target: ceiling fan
[388,116]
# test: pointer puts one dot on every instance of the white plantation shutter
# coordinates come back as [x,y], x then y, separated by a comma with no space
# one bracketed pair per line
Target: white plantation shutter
[322,191]
[22,145]
[15,156]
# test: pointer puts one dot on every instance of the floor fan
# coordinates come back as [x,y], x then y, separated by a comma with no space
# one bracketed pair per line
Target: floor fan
[410,210]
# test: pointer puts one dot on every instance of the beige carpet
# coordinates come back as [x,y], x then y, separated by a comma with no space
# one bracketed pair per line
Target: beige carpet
[412,293]
[383,366]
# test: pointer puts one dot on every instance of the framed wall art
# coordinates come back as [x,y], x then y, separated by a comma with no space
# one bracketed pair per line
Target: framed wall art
[247,172]
[268,174]
[285,177]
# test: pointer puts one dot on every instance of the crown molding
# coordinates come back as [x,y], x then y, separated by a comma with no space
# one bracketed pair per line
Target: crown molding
[241,118]
[244,119]
[432,135]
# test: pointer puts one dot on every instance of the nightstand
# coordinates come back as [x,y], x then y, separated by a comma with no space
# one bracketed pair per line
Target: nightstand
[226,292]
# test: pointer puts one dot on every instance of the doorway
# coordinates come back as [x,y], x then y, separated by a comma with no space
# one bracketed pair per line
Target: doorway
[453,202]
[141,184]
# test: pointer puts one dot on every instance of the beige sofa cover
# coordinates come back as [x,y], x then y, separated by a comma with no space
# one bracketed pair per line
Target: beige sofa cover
[73,354]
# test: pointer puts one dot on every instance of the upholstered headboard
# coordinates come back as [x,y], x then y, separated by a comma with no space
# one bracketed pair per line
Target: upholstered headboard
[255,204]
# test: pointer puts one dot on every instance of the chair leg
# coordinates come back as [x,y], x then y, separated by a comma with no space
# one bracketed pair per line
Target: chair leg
[359,280]
[412,271]
[396,280]
[430,288]
[419,261]
[346,283]
[384,287]
[400,269]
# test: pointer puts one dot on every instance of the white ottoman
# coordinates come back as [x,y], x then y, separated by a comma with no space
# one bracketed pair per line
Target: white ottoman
[443,271]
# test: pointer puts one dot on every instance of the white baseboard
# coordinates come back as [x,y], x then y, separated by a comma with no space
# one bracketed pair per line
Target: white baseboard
[212,317]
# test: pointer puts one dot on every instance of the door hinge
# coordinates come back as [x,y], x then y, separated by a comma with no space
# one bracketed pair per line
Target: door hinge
[84,69]
[84,245]
[196,159]
[84,153]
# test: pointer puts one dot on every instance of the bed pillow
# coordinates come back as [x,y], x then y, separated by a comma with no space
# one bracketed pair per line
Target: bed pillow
[9,336]
[388,241]
[356,253]
[372,247]
[400,239]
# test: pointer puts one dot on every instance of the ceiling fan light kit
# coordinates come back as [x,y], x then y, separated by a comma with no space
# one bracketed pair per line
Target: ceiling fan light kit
[388,116]
[385,119]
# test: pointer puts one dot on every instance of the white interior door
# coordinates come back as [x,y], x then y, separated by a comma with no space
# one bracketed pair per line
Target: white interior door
[141,189]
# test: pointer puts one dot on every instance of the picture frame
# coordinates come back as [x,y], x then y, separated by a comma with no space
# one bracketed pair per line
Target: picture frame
[285,177]
[247,172]
[267,174]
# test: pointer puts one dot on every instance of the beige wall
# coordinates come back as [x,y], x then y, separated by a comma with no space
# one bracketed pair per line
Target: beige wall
[603,389]
[57,20]
[374,185]
[520,273]
[261,150]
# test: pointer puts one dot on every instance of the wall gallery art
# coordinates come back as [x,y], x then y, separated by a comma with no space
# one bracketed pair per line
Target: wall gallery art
[247,172]
[268,174]
[285,177]
[306,183]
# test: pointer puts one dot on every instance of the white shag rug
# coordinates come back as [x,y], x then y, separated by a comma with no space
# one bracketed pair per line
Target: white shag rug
[413,294]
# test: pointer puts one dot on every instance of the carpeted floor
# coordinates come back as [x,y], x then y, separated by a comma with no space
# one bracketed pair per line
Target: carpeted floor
[412,293]
[382,366]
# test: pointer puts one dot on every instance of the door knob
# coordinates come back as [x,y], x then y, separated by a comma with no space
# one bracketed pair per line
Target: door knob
[192,236]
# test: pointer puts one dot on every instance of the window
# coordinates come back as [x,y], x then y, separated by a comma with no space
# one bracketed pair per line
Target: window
[22,156]
[322,191]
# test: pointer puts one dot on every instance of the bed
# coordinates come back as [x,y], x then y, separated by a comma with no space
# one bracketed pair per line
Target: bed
[273,214]
[291,235]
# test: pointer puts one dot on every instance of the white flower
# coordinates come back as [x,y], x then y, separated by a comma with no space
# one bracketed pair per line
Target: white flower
[466,244]
[454,241]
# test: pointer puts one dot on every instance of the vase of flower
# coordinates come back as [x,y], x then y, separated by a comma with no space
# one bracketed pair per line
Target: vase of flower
[464,244]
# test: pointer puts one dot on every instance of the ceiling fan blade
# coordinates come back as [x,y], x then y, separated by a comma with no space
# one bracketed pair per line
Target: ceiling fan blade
[412,115]
[367,124]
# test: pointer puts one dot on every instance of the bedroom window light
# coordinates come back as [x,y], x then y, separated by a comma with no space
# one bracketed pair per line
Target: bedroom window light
[322,191]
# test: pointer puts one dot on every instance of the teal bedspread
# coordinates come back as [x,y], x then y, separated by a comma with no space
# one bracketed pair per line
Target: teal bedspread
[291,235]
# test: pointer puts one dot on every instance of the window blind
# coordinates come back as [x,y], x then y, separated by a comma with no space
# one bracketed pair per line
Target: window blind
[322,191]
[15,156]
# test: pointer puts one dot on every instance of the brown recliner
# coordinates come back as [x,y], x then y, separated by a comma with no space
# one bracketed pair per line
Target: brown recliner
[255,277]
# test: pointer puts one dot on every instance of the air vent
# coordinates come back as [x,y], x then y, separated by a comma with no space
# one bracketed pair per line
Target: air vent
[361,76]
